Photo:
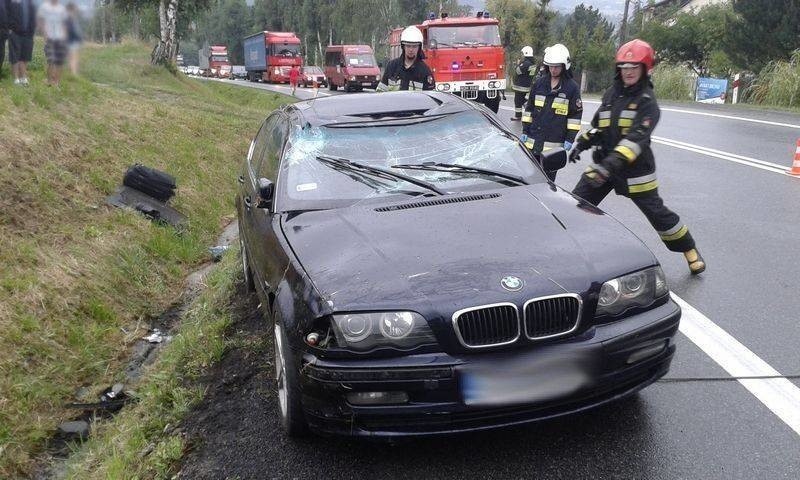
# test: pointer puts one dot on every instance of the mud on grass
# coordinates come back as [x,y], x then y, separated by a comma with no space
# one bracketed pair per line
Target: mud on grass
[80,280]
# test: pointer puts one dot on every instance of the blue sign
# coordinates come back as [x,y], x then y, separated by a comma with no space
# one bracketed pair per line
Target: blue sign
[711,90]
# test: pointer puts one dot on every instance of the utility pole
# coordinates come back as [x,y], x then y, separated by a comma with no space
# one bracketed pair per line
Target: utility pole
[623,29]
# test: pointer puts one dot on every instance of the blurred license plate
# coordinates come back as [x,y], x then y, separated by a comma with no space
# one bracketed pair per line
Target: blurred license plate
[526,378]
[366,84]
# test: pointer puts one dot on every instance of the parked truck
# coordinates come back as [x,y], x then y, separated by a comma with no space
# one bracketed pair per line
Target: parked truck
[465,55]
[213,60]
[269,56]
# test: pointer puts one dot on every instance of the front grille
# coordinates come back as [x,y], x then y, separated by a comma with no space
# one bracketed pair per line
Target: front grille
[487,326]
[552,316]
[365,78]
[438,201]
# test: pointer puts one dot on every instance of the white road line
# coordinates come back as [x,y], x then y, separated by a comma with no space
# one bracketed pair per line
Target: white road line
[718,115]
[731,157]
[780,395]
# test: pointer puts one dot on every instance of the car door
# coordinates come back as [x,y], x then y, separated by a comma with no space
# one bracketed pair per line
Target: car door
[247,180]
[268,260]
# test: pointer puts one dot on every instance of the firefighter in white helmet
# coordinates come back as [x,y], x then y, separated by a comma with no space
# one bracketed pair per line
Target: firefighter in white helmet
[523,75]
[554,105]
[408,71]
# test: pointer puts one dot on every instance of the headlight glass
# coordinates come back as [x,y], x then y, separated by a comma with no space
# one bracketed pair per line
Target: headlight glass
[637,289]
[366,331]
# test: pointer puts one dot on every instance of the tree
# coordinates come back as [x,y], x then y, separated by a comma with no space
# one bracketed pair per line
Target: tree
[590,39]
[761,31]
[227,22]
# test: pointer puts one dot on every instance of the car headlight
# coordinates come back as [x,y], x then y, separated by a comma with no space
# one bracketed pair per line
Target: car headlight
[353,78]
[366,331]
[637,289]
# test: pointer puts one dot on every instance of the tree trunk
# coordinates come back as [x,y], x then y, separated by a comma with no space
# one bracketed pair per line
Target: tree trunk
[166,50]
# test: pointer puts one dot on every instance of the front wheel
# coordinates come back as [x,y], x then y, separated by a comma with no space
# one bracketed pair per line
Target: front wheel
[287,377]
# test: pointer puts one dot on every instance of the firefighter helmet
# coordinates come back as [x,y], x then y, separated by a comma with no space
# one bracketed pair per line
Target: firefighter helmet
[527,51]
[637,51]
[557,55]
[411,35]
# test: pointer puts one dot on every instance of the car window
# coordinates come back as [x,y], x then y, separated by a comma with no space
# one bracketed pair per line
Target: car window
[275,136]
[254,158]
[467,139]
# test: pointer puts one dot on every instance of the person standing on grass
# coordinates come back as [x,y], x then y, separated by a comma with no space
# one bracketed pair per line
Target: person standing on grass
[52,19]
[3,32]
[22,22]
[74,36]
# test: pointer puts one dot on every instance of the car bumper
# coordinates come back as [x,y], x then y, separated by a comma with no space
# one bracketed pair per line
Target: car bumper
[616,359]
[356,85]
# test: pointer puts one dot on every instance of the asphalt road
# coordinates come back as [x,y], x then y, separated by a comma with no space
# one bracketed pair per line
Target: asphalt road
[718,169]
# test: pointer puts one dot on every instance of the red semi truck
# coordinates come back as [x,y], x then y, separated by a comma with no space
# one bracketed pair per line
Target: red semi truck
[213,60]
[464,54]
[268,56]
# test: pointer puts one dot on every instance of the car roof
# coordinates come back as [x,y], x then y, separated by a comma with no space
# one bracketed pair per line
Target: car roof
[361,106]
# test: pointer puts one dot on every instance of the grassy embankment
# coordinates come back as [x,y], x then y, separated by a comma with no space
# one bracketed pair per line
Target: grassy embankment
[79,280]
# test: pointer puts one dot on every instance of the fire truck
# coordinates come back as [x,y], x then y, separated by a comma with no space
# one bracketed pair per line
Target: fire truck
[464,54]
[213,59]
[269,56]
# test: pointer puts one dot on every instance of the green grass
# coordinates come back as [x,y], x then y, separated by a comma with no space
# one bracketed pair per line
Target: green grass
[80,279]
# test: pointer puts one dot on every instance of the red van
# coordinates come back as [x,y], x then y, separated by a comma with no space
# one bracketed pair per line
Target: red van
[352,67]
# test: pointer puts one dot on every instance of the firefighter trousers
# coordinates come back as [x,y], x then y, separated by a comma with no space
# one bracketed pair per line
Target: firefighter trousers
[667,223]
[519,102]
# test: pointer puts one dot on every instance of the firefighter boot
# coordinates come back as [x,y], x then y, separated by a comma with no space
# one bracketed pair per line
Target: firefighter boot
[695,260]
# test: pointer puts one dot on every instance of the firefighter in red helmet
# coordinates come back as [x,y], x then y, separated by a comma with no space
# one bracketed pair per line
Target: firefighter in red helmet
[623,160]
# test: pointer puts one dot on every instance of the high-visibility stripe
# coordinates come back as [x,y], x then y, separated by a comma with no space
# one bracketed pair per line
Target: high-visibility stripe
[626,152]
[605,114]
[625,122]
[415,85]
[675,236]
[538,100]
[519,89]
[633,146]
[561,100]
[549,145]
[604,122]
[642,179]
[527,118]
[529,144]
[671,231]
[382,87]
[517,109]
[627,114]
[573,124]
[643,187]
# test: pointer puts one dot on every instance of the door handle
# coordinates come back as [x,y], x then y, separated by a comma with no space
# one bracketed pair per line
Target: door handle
[248,203]
[241,179]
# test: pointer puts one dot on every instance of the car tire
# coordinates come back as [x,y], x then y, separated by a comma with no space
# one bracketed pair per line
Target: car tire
[287,378]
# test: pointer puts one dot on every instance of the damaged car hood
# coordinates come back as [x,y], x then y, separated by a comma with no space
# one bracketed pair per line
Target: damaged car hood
[457,253]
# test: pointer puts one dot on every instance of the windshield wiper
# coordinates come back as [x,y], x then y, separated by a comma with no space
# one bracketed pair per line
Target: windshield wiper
[343,163]
[452,167]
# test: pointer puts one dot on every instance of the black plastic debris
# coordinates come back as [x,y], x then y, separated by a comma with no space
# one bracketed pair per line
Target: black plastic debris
[147,191]
[218,251]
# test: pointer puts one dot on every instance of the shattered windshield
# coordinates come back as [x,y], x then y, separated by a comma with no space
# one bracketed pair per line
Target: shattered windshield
[467,139]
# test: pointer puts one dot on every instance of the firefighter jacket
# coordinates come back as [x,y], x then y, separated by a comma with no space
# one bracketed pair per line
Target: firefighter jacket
[398,77]
[524,73]
[625,120]
[554,113]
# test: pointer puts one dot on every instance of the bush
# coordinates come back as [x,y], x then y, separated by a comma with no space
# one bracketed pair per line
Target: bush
[778,83]
[673,82]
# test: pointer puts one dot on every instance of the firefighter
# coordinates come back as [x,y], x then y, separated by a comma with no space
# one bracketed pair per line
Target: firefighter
[554,105]
[408,71]
[623,161]
[525,71]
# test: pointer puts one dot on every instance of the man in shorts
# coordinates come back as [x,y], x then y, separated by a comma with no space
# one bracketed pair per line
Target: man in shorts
[52,19]
[22,23]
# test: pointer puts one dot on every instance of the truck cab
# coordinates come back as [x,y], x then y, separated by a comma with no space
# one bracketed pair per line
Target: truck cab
[352,67]
[465,55]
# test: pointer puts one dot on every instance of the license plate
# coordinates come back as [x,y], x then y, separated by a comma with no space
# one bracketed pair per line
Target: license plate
[366,84]
[469,88]
[528,378]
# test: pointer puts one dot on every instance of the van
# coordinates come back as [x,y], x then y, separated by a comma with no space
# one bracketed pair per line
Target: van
[352,67]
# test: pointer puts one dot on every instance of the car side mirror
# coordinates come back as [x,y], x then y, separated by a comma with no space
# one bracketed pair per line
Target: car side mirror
[266,190]
[554,159]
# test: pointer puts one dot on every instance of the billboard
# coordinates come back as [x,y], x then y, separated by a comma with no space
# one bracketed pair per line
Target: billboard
[711,90]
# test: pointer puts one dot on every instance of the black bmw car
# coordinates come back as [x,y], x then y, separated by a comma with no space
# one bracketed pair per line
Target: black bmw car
[423,276]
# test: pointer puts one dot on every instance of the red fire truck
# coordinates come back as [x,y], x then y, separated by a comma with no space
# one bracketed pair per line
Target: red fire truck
[464,54]
[269,56]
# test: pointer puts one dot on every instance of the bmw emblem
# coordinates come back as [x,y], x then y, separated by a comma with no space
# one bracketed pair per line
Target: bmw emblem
[511,283]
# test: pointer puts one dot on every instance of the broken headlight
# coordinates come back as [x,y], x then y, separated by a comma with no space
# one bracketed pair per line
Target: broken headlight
[638,289]
[366,331]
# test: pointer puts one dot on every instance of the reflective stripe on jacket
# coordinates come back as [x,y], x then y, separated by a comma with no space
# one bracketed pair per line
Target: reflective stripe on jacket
[554,114]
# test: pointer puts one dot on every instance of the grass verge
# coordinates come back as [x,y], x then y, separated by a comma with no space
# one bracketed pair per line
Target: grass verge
[80,280]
